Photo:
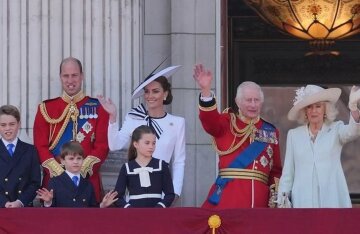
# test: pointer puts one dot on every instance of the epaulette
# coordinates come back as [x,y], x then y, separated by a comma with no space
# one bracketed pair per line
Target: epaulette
[272,125]
[51,100]
[92,102]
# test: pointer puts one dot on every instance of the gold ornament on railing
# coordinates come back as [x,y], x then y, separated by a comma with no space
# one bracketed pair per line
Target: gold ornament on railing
[214,222]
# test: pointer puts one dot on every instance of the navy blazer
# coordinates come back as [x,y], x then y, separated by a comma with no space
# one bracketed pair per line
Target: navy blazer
[20,174]
[67,194]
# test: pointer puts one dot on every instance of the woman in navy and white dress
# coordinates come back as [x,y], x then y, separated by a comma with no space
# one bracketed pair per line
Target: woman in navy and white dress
[169,129]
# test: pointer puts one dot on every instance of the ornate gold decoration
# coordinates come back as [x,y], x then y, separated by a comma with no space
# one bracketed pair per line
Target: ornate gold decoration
[273,193]
[244,174]
[214,222]
[245,133]
[87,166]
[70,112]
[53,166]
[74,99]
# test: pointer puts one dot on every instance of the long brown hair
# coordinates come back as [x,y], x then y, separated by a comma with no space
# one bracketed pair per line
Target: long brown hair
[136,136]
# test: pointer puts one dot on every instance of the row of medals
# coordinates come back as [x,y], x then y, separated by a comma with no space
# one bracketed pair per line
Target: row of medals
[88,113]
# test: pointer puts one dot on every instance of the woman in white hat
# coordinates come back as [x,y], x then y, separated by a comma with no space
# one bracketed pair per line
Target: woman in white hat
[169,129]
[312,176]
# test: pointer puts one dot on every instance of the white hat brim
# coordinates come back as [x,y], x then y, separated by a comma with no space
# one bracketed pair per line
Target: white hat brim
[167,72]
[326,95]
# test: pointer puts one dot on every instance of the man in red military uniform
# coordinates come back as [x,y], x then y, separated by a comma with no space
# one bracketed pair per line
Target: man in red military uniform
[248,147]
[72,117]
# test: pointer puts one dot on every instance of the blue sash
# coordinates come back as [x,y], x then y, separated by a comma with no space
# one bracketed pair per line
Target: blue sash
[244,159]
[67,135]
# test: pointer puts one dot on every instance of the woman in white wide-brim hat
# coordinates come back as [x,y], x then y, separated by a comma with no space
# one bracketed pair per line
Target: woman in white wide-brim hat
[169,129]
[312,175]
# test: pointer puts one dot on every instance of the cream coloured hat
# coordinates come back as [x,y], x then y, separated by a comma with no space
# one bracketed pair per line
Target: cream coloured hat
[312,94]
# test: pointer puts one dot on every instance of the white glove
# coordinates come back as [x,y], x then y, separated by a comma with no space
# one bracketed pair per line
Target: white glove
[354,98]
[283,200]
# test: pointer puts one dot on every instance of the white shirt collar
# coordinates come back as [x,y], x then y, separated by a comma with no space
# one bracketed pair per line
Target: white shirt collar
[72,174]
[7,142]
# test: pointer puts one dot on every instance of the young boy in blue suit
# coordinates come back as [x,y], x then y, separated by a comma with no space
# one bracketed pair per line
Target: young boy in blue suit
[20,175]
[70,189]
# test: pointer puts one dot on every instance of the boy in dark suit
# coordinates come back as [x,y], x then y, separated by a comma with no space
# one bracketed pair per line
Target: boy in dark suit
[70,189]
[20,175]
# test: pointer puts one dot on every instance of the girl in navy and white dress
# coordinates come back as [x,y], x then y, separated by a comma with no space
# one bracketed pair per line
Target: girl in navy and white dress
[169,129]
[147,179]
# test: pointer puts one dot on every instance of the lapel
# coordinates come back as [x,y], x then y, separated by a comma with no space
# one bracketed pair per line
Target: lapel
[12,161]
[69,184]
[82,185]
[4,154]
[19,152]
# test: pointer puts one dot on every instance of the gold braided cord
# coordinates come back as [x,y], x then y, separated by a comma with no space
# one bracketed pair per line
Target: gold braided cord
[244,133]
[48,118]
[70,111]
[61,132]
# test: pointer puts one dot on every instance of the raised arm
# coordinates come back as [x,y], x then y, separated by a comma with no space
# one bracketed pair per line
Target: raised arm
[203,78]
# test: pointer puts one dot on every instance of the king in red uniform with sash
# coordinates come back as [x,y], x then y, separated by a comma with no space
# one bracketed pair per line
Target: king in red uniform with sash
[248,148]
[73,116]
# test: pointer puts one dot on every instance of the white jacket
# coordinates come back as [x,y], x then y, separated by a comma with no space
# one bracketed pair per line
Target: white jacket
[312,171]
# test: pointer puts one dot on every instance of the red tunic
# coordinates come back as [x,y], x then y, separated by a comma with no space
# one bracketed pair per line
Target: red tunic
[93,138]
[240,193]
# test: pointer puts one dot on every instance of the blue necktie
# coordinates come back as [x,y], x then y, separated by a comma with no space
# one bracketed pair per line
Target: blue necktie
[10,148]
[75,180]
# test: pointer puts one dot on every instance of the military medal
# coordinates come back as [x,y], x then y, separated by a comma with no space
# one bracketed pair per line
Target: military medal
[91,115]
[86,116]
[87,127]
[80,137]
[269,151]
[95,114]
[264,161]
[81,116]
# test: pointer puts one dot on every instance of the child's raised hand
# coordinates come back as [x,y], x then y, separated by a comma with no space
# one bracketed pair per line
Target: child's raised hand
[109,199]
[45,194]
